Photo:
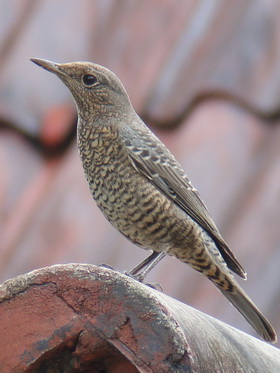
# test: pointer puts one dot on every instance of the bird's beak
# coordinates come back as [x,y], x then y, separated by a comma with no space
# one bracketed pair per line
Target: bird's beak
[48,65]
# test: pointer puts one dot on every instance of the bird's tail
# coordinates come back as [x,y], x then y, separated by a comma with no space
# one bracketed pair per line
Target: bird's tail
[240,300]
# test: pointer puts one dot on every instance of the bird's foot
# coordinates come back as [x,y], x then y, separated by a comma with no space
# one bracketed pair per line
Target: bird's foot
[106,266]
[140,278]
[155,286]
[134,277]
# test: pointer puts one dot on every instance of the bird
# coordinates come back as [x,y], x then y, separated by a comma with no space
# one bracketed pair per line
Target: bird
[143,191]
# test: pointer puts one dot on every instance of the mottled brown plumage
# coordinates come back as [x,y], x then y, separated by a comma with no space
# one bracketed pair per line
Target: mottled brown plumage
[142,190]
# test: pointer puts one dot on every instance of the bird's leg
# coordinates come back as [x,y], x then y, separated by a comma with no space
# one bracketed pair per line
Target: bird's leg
[142,269]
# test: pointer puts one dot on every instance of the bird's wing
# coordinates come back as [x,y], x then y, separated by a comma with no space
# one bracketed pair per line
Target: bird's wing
[153,160]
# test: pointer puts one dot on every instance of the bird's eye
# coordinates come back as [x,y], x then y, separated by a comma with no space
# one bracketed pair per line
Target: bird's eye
[89,80]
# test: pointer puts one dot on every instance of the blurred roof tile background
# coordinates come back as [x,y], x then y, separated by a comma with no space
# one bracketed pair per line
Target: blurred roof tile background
[204,74]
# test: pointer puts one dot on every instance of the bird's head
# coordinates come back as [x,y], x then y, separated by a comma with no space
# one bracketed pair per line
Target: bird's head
[96,90]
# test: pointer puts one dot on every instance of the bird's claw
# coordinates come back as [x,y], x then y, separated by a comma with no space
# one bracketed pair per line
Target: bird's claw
[104,265]
[155,286]
[140,278]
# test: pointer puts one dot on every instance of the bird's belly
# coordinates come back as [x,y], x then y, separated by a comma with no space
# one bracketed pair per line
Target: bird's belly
[141,212]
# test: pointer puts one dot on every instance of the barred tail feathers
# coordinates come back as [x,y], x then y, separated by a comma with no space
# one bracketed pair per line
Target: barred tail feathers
[240,300]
